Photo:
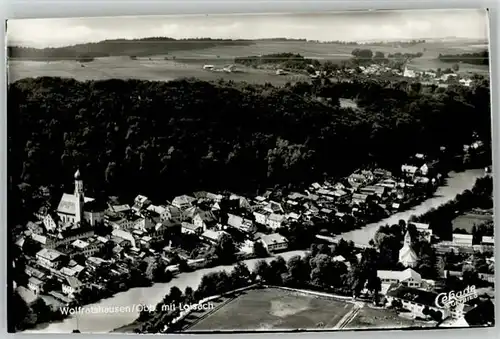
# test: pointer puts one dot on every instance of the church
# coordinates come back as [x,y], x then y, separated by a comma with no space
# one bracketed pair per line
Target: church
[76,208]
[407,255]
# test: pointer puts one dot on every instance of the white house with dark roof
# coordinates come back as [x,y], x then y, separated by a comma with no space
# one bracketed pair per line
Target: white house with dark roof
[49,258]
[35,285]
[261,216]
[274,242]
[72,286]
[275,220]
[205,219]
[273,207]
[423,229]
[50,222]
[171,212]
[183,201]
[240,223]
[188,228]
[408,277]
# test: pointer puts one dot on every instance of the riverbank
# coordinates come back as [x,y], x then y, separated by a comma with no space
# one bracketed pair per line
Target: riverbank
[456,183]
[96,323]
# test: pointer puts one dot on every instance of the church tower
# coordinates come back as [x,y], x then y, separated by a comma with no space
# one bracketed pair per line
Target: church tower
[79,197]
[407,255]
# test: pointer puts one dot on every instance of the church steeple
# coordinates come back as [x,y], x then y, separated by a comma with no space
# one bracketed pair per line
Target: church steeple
[407,240]
[79,197]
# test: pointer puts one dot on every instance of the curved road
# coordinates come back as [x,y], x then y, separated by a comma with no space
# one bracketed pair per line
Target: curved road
[103,323]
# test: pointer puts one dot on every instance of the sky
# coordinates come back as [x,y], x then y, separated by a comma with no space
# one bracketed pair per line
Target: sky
[345,26]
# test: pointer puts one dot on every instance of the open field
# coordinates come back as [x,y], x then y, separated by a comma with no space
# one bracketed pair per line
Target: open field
[189,63]
[371,318]
[265,309]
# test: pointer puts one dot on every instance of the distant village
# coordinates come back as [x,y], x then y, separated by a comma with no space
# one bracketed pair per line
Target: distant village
[79,238]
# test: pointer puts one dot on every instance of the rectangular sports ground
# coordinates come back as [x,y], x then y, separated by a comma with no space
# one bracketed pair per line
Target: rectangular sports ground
[267,309]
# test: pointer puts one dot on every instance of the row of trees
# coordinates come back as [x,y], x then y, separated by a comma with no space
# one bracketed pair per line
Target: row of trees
[477,58]
[284,60]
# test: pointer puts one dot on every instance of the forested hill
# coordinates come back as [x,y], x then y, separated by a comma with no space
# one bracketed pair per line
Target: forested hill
[119,47]
[166,138]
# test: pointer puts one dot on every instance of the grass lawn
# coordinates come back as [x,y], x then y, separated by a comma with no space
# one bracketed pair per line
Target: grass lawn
[370,318]
[263,309]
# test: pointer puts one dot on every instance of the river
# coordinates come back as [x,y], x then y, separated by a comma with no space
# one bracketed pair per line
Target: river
[456,183]
[103,323]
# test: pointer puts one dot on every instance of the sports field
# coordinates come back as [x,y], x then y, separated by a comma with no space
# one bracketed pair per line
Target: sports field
[266,309]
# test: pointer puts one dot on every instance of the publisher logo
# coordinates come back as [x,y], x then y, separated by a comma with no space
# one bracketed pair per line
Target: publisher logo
[453,299]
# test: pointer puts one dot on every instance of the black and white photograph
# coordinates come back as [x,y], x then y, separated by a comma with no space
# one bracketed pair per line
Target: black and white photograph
[326,171]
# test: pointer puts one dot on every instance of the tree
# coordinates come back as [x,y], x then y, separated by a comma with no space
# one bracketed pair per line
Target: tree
[174,296]
[455,67]
[374,285]
[298,270]
[259,250]
[262,270]
[225,249]
[241,275]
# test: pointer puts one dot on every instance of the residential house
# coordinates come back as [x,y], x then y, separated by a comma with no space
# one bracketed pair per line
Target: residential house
[359,199]
[214,197]
[188,228]
[275,220]
[409,170]
[240,223]
[274,242]
[212,236]
[462,240]
[296,196]
[159,210]
[94,262]
[415,300]
[35,285]
[189,213]
[292,216]
[242,201]
[145,242]
[72,286]
[373,190]
[124,235]
[125,208]
[388,183]
[261,216]
[424,230]
[171,212]
[357,179]
[487,243]
[205,219]
[408,277]
[140,202]
[50,222]
[274,207]
[49,258]
[183,202]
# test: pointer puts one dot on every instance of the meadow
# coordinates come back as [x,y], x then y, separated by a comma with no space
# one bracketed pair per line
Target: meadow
[190,63]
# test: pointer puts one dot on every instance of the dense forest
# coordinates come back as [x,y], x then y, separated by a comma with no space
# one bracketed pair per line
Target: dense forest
[284,60]
[479,58]
[120,47]
[162,139]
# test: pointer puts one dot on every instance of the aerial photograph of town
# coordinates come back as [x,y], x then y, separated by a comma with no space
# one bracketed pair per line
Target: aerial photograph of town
[250,173]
